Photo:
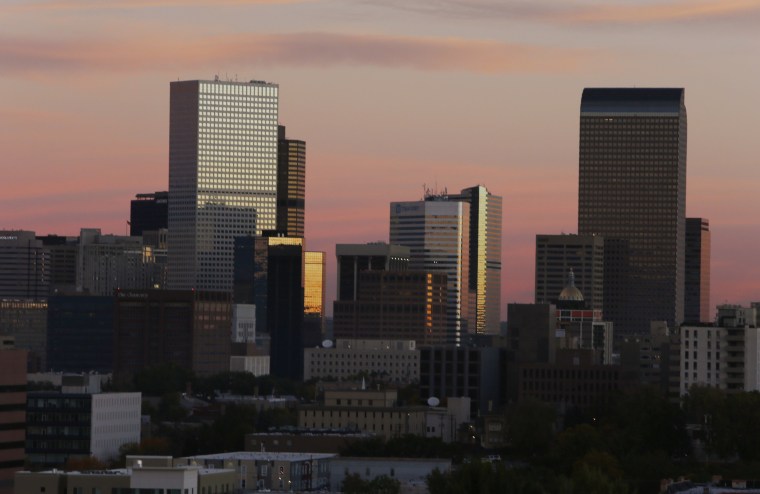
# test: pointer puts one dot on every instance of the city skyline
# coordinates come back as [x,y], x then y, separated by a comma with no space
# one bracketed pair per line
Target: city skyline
[87,123]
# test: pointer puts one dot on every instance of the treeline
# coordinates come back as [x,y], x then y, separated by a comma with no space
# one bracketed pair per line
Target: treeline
[626,445]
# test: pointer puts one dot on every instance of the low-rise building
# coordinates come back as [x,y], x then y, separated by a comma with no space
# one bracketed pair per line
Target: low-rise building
[267,471]
[61,426]
[139,478]
[396,361]
[293,441]
[725,355]
[377,412]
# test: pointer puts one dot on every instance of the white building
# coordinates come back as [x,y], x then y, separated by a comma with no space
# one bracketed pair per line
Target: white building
[258,365]
[725,355]
[437,234]
[222,176]
[393,360]
[243,323]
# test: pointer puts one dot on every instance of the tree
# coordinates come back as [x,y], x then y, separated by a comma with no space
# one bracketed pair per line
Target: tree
[531,427]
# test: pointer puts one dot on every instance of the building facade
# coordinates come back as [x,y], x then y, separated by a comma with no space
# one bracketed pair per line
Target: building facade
[558,254]
[24,266]
[263,471]
[484,278]
[63,426]
[269,275]
[697,274]
[437,233]
[356,258]
[13,384]
[291,185]
[26,322]
[80,333]
[313,298]
[410,305]
[632,191]
[187,328]
[725,355]
[451,371]
[148,212]
[396,361]
[222,176]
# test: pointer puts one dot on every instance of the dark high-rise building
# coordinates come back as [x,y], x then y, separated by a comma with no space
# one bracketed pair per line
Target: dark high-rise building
[632,191]
[187,328]
[355,258]
[291,184]
[558,254]
[24,266]
[697,275]
[80,333]
[12,412]
[148,212]
[269,274]
[64,255]
[392,305]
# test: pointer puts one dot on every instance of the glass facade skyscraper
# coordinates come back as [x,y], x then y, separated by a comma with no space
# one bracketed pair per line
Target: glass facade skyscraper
[222,176]
[291,185]
[632,191]
[437,234]
[484,279]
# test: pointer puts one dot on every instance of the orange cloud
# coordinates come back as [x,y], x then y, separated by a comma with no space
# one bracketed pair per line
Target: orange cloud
[29,55]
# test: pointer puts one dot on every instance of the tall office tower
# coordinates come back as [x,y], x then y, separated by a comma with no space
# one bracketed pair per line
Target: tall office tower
[313,298]
[269,274]
[222,176]
[632,191]
[558,254]
[485,256]
[24,266]
[355,258]
[697,275]
[291,184]
[437,233]
[148,212]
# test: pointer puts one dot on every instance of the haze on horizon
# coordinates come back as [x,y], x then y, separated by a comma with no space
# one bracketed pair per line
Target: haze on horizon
[389,95]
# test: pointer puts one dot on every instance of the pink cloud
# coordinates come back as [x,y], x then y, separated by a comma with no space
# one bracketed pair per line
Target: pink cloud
[35,55]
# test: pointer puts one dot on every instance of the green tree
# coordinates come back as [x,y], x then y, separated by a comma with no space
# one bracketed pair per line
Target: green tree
[531,427]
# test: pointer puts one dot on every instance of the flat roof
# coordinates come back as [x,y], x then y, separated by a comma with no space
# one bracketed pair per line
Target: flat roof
[262,456]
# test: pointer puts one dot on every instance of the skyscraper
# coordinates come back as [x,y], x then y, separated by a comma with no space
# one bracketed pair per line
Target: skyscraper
[291,184]
[355,258]
[484,279]
[437,233]
[697,276]
[269,274]
[313,298]
[632,191]
[222,176]
[148,212]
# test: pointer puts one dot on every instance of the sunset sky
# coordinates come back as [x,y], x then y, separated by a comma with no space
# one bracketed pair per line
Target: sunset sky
[389,95]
